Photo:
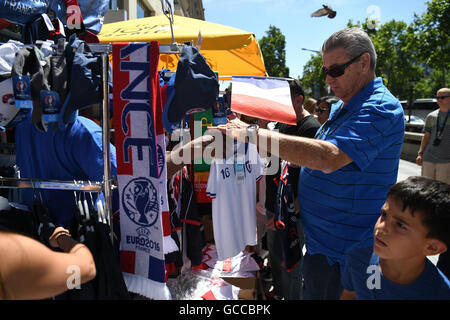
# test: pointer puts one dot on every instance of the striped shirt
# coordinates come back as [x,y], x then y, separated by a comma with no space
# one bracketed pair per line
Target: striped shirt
[338,210]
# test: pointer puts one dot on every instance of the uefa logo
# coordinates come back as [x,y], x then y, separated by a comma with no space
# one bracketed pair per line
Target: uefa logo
[21,85]
[49,100]
[140,202]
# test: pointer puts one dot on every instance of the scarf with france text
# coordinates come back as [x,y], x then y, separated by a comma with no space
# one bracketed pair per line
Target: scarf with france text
[135,99]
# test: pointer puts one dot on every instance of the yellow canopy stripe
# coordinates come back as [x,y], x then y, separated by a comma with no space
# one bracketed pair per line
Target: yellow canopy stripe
[229,51]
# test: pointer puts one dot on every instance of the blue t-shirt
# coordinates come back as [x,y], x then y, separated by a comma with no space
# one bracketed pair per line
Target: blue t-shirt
[362,275]
[338,210]
[71,154]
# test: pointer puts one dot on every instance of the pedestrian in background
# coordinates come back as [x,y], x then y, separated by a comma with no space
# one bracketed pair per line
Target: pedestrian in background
[434,151]
[323,108]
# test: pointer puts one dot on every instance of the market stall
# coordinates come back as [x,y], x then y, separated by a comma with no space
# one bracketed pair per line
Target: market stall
[229,51]
[68,74]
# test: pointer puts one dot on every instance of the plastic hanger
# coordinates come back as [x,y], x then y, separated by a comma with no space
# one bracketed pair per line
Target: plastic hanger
[100,210]
[86,207]
[79,205]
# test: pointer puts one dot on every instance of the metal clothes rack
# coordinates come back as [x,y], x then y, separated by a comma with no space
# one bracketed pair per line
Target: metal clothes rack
[51,184]
[90,186]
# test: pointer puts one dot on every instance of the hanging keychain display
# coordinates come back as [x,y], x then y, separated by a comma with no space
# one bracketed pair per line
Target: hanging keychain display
[50,104]
[22,92]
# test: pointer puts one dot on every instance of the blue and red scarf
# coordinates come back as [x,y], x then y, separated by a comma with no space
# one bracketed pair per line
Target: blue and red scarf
[136,104]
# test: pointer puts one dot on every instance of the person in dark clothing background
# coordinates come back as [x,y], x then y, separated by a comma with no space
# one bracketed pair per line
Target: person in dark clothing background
[323,108]
[286,284]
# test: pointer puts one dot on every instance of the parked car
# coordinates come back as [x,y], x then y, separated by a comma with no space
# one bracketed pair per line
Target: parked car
[420,108]
[414,120]
[419,111]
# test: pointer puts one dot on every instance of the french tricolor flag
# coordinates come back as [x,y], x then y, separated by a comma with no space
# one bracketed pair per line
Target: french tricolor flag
[263,97]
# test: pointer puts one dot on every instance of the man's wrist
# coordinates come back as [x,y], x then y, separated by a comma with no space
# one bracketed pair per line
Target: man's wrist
[420,153]
[66,242]
[252,131]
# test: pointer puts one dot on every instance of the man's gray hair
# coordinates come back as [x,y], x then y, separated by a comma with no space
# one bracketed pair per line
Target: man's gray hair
[354,41]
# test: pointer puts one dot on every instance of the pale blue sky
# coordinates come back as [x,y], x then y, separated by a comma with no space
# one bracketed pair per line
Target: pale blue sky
[293,18]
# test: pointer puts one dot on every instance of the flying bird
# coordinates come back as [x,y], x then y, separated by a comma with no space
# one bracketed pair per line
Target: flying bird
[325,11]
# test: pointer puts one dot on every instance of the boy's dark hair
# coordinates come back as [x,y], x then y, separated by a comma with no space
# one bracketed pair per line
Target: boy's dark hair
[296,88]
[432,199]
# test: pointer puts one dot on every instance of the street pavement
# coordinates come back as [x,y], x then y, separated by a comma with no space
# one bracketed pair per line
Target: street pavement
[407,169]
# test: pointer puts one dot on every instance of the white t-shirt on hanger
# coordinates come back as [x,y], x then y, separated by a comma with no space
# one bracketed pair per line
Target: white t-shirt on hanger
[234,202]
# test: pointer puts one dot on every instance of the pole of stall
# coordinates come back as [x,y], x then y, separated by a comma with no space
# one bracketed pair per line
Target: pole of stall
[106,148]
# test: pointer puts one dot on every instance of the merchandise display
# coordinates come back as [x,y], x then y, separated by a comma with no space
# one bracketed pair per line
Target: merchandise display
[61,91]
[232,186]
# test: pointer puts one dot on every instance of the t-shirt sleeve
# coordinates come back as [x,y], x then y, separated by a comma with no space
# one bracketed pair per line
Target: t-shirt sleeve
[309,128]
[87,150]
[368,132]
[211,186]
[259,169]
[256,162]
[428,123]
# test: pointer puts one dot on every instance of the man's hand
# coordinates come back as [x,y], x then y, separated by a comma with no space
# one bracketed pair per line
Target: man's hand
[236,129]
[200,143]
[53,240]
[419,160]
[184,155]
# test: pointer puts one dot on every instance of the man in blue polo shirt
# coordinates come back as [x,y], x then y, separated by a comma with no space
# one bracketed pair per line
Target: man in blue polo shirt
[349,167]
[339,208]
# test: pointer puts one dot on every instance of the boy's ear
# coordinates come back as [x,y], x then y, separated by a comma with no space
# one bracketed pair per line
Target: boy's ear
[435,246]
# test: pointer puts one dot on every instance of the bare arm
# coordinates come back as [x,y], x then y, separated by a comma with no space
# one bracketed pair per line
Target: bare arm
[30,270]
[348,295]
[423,145]
[172,166]
[306,152]
[181,156]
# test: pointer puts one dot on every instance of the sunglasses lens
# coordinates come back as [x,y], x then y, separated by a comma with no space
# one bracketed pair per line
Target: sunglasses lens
[334,72]
[340,70]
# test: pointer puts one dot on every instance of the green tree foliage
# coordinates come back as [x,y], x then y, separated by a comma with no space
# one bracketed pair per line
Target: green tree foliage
[273,48]
[432,35]
[313,80]
[412,59]
[397,57]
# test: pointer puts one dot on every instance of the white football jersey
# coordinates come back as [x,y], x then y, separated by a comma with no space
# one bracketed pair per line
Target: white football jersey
[234,202]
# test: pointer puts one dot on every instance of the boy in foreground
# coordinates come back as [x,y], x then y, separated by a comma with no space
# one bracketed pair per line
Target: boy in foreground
[414,224]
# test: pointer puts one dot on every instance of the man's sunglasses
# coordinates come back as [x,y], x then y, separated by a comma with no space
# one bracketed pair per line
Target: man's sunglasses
[338,71]
[320,110]
[441,97]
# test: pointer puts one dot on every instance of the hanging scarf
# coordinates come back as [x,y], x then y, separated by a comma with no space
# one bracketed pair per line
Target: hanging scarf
[135,95]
